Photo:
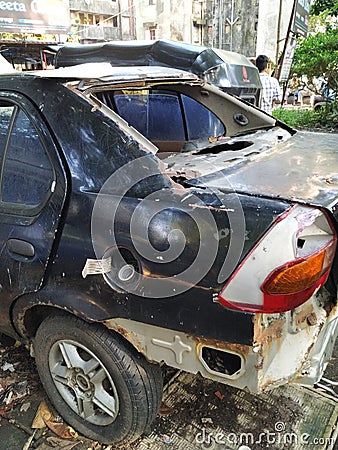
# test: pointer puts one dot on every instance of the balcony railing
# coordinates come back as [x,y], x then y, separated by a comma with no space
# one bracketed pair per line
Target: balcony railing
[95,6]
[96,32]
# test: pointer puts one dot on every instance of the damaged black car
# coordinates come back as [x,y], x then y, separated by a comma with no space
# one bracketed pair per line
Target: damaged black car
[149,218]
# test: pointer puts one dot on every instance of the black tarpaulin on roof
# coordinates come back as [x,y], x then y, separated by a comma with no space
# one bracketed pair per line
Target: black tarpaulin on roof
[229,70]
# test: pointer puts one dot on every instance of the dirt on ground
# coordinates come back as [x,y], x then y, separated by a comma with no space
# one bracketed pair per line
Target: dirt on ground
[190,404]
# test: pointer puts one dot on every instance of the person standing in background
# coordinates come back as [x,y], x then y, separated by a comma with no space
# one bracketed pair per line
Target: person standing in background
[271,90]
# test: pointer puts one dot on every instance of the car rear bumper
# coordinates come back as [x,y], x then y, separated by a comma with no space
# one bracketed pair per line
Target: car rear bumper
[291,347]
[320,354]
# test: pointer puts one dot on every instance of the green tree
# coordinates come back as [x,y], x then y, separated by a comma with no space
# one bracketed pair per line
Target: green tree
[317,56]
[324,6]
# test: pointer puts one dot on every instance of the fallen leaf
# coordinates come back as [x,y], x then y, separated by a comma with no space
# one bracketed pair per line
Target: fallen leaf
[57,443]
[219,395]
[25,407]
[43,413]
[29,441]
[165,410]
[61,429]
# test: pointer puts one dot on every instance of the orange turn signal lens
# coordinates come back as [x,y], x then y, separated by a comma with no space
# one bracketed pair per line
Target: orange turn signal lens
[296,276]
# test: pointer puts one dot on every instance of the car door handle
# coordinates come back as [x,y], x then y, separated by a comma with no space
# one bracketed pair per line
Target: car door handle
[20,247]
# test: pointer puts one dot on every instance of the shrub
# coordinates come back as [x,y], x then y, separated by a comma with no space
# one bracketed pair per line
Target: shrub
[323,118]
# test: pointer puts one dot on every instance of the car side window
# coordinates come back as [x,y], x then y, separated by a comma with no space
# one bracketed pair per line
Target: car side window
[157,116]
[201,122]
[165,116]
[6,113]
[27,172]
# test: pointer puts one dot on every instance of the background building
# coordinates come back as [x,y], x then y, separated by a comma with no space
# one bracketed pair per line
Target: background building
[249,27]
[101,20]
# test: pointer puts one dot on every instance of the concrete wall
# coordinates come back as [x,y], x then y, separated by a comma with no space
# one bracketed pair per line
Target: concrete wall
[171,19]
[267,31]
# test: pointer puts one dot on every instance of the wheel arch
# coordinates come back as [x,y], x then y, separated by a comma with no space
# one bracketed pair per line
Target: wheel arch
[32,318]
[29,311]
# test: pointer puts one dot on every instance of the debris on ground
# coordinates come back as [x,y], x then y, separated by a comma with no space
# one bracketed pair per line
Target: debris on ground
[219,395]
[18,377]
[192,409]
[44,417]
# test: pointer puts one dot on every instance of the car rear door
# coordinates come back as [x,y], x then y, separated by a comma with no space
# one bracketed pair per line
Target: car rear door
[32,195]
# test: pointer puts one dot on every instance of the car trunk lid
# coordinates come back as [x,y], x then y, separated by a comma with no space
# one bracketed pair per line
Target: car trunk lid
[301,169]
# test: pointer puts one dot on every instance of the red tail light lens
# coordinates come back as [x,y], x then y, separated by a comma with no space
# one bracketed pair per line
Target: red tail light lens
[295,280]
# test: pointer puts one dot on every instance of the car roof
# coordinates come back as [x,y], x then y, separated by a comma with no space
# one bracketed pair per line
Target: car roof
[107,72]
[5,66]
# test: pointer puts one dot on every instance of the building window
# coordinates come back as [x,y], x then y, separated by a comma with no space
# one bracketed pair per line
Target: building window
[115,21]
[152,33]
[152,2]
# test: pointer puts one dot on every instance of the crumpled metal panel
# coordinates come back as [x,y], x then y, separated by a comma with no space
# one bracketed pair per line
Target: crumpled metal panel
[304,168]
[104,71]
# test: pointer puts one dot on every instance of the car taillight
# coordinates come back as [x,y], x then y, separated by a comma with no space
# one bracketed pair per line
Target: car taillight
[286,267]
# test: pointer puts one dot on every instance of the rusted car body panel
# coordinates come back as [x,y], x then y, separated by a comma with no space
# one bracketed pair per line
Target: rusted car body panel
[283,348]
[302,169]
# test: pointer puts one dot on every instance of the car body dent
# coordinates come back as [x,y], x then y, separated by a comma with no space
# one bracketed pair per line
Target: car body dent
[285,342]
[229,154]
[302,169]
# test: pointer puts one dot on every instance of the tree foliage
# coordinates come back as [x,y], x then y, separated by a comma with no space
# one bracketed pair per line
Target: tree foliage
[317,56]
[322,118]
[324,6]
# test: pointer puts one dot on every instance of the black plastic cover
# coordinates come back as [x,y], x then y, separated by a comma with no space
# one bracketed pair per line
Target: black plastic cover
[230,71]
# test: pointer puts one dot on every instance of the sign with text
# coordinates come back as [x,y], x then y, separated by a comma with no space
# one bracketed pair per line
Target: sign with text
[288,58]
[301,19]
[35,16]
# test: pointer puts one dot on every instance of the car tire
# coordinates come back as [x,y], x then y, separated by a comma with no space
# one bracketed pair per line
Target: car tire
[97,382]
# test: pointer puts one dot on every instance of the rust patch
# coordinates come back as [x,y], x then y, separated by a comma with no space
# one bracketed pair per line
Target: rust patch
[265,335]
[130,336]
[272,384]
[221,345]
[312,319]
[123,332]
[302,317]
[188,174]
[331,308]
